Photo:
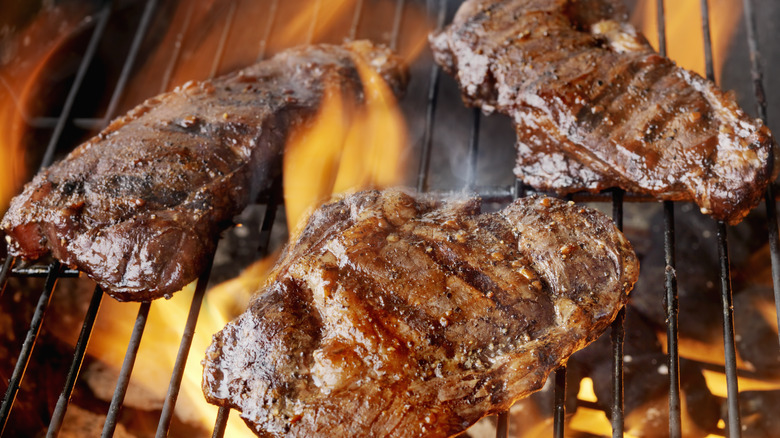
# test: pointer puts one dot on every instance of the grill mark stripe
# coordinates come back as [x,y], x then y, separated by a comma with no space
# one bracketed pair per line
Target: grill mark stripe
[506,302]
[391,304]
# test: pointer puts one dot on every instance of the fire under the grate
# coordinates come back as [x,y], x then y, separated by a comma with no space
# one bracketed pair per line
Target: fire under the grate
[620,385]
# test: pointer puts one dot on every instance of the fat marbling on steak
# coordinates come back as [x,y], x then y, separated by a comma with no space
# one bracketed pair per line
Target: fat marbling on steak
[139,207]
[398,315]
[594,106]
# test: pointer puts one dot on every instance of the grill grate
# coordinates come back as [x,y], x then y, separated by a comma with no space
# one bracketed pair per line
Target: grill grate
[439,13]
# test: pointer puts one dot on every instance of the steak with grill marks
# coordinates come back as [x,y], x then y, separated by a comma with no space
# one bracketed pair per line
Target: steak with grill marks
[595,107]
[397,315]
[139,207]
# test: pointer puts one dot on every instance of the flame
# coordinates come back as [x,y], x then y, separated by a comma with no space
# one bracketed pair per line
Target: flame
[684,38]
[592,421]
[162,336]
[207,38]
[344,149]
[11,167]
[23,66]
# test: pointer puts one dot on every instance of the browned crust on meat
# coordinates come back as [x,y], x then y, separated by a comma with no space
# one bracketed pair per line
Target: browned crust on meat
[139,207]
[396,315]
[595,107]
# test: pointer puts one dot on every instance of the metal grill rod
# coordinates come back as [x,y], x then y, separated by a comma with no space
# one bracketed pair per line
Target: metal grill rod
[671,302]
[274,6]
[733,422]
[771,206]
[223,39]
[78,359]
[184,351]
[559,404]
[132,55]
[617,336]
[4,271]
[127,369]
[166,81]
[399,15]
[356,20]
[89,54]
[430,111]
[27,346]
[471,176]
[221,423]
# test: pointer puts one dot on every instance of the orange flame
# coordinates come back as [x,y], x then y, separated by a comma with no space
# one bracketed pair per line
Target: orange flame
[162,335]
[26,57]
[344,149]
[207,38]
[684,38]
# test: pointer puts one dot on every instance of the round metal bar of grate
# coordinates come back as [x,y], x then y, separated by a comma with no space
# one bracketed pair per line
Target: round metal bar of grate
[501,194]
[757,75]
[27,346]
[733,421]
[184,351]
[78,358]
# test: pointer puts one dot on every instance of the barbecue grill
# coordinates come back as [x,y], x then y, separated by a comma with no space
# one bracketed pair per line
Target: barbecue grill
[428,118]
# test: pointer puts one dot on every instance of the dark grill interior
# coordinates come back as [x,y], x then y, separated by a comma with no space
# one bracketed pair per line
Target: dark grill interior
[432,108]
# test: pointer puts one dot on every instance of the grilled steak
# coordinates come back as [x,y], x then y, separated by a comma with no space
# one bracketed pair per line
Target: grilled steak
[139,207]
[595,107]
[393,315]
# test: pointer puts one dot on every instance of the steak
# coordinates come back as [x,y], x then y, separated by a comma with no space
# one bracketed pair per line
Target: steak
[595,107]
[139,207]
[397,315]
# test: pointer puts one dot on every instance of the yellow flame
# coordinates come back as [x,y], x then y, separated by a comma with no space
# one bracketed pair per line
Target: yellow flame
[684,38]
[162,336]
[344,148]
[594,422]
[311,158]
[28,54]
[13,155]
[716,382]
[587,393]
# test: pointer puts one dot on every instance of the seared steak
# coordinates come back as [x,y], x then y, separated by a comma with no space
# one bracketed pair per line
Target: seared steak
[393,315]
[139,207]
[595,107]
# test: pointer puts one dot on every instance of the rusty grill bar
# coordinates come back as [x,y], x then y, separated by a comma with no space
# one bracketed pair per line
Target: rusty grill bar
[438,11]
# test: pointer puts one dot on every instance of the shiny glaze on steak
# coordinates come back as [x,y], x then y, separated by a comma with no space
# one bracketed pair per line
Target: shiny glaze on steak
[595,107]
[396,315]
[139,207]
